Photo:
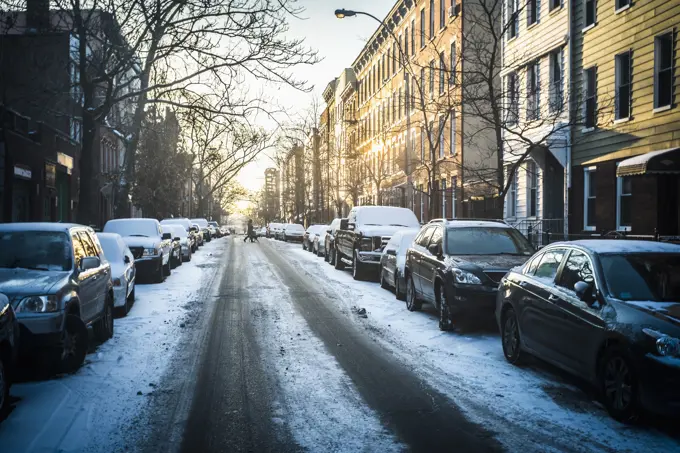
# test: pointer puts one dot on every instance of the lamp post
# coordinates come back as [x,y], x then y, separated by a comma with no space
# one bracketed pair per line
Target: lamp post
[341,14]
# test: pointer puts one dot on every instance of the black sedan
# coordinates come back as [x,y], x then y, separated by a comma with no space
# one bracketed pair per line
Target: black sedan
[604,310]
[9,346]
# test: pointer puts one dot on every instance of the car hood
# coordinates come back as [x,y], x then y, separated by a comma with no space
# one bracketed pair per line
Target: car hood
[486,262]
[667,311]
[138,241]
[19,282]
[378,230]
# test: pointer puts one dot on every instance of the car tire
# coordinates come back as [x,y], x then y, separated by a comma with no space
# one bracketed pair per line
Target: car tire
[132,296]
[445,322]
[168,268]
[122,312]
[75,344]
[304,246]
[4,384]
[619,385]
[381,277]
[160,275]
[399,293]
[337,260]
[412,302]
[103,329]
[510,337]
[357,267]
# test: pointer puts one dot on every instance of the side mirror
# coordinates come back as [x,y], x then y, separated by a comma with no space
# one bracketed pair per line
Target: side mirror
[344,223]
[351,226]
[89,262]
[126,259]
[166,236]
[176,239]
[434,249]
[584,292]
[391,252]
[329,231]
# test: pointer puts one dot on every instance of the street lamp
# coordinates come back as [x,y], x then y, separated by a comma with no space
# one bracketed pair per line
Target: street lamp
[341,14]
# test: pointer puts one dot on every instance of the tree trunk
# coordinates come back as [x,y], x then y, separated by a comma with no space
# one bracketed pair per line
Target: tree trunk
[87,200]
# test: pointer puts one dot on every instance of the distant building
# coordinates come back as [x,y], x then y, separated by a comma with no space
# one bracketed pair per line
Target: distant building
[272,194]
[294,185]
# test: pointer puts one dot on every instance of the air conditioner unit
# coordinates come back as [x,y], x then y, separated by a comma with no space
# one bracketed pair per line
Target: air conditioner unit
[452,11]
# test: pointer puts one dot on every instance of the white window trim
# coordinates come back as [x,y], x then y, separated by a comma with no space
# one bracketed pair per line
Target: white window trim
[529,181]
[586,189]
[619,187]
[513,199]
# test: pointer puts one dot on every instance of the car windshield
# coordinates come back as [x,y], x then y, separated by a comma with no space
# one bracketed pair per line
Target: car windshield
[213,224]
[200,222]
[381,215]
[175,230]
[39,250]
[294,227]
[132,228]
[185,223]
[486,241]
[643,276]
[112,250]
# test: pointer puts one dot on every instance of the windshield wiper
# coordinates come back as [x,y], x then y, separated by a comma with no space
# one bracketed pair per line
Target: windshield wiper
[398,224]
[139,236]
[32,268]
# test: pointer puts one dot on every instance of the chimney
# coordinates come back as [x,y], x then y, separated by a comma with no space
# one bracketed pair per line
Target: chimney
[37,15]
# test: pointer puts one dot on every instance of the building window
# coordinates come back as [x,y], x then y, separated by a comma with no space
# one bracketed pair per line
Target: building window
[624,198]
[442,13]
[532,188]
[623,85]
[422,145]
[442,72]
[442,123]
[422,86]
[394,106]
[663,70]
[431,19]
[76,129]
[443,189]
[533,93]
[452,132]
[454,185]
[512,195]
[422,27]
[556,89]
[413,37]
[621,4]
[532,12]
[590,8]
[414,86]
[554,4]
[452,75]
[422,202]
[406,43]
[589,198]
[399,110]
[590,76]
[512,7]
[431,77]
[513,98]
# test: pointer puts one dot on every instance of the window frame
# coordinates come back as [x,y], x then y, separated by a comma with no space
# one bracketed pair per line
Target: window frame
[565,253]
[619,68]
[513,89]
[563,265]
[512,12]
[512,200]
[587,173]
[452,63]
[532,188]
[431,82]
[618,7]
[442,14]
[532,12]
[593,3]
[533,91]
[554,4]
[442,188]
[590,123]
[422,28]
[452,132]
[619,196]
[556,83]
[658,70]
[432,20]
[454,186]
[442,72]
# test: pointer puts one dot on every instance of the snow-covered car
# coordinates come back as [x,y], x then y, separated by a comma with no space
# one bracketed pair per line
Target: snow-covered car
[186,224]
[393,260]
[123,271]
[181,243]
[311,235]
[274,229]
[216,231]
[262,232]
[328,244]
[205,228]
[59,282]
[199,239]
[148,244]
[9,348]
[292,232]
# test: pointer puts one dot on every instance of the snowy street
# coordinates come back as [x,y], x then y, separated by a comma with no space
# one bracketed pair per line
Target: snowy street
[258,347]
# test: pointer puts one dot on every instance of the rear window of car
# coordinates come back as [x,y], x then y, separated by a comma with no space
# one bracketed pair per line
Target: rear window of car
[39,250]
[141,228]
[295,227]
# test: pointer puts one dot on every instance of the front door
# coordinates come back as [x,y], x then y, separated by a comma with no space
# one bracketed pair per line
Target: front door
[417,253]
[99,282]
[429,264]
[86,279]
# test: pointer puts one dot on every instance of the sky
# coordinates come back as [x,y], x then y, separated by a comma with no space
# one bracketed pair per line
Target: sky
[338,43]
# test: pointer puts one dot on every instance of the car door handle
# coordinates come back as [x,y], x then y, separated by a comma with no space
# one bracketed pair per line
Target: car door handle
[522,284]
[553,298]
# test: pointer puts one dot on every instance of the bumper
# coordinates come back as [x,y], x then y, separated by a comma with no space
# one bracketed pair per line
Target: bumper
[370,257]
[148,266]
[472,298]
[659,390]
[119,296]
[40,333]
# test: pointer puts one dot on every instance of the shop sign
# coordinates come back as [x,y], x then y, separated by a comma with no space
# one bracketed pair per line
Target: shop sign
[50,175]
[23,171]
[66,161]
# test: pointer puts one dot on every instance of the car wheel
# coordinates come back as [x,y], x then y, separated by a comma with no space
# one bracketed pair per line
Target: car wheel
[74,344]
[160,274]
[131,297]
[510,337]
[399,292]
[121,312]
[619,385]
[337,260]
[412,302]
[357,267]
[4,384]
[445,323]
[168,268]
[383,282]
[304,246]
[103,329]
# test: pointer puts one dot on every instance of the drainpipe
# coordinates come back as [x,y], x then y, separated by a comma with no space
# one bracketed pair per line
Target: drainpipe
[571,118]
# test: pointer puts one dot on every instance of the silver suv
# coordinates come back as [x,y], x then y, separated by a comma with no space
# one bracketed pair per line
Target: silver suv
[58,282]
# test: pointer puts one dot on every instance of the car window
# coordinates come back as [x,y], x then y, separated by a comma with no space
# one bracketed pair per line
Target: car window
[423,238]
[78,249]
[530,267]
[486,240]
[547,268]
[648,277]
[436,238]
[577,268]
[98,247]
[88,245]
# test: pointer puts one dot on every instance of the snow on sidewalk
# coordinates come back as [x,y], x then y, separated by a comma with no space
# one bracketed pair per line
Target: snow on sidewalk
[520,404]
[88,410]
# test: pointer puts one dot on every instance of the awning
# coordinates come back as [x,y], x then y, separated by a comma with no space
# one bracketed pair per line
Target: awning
[666,161]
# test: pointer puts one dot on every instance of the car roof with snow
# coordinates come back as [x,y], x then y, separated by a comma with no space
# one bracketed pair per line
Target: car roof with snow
[605,246]
[40,226]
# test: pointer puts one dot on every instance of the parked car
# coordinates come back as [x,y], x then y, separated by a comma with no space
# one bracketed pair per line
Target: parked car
[274,229]
[393,261]
[58,281]
[205,228]
[180,244]
[361,238]
[186,224]
[607,311]
[217,232]
[151,247]
[123,270]
[456,265]
[197,234]
[310,235]
[262,232]
[328,244]
[9,349]
[292,232]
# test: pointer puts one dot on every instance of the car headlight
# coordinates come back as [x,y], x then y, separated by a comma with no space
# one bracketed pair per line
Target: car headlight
[366,245]
[38,304]
[665,344]
[150,252]
[466,277]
